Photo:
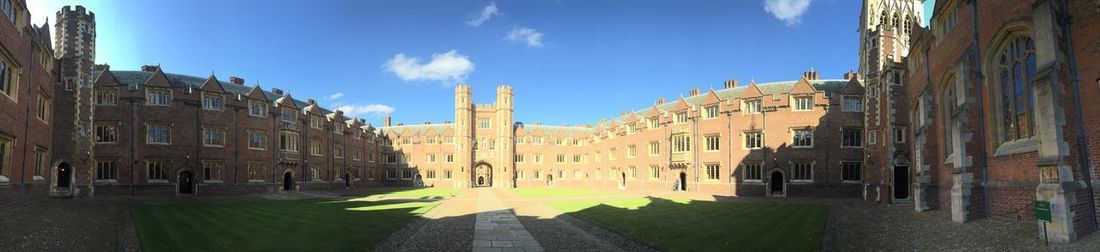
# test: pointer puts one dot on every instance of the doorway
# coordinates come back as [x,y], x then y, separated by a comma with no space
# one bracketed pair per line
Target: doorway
[901,182]
[186,182]
[776,186]
[347,179]
[288,181]
[64,175]
[623,182]
[683,182]
[483,175]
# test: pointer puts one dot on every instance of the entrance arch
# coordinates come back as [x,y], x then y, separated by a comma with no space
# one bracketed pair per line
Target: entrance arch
[483,175]
[288,181]
[622,183]
[777,184]
[64,175]
[186,182]
[683,181]
[549,180]
[347,179]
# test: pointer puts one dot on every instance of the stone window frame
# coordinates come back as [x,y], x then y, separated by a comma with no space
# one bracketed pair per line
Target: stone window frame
[316,122]
[7,144]
[101,93]
[752,171]
[211,142]
[748,140]
[844,103]
[800,100]
[714,171]
[681,143]
[149,126]
[9,77]
[631,151]
[111,176]
[337,151]
[518,158]
[41,162]
[429,158]
[150,101]
[44,110]
[288,141]
[654,148]
[795,171]
[252,105]
[1005,38]
[256,171]
[712,142]
[155,167]
[96,132]
[752,106]
[795,141]
[708,114]
[263,140]
[315,148]
[844,144]
[654,172]
[844,174]
[213,101]
[212,170]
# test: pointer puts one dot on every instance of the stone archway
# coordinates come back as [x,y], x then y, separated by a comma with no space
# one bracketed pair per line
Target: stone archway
[62,184]
[288,181]
[777,183]
[186,182]
[483,175]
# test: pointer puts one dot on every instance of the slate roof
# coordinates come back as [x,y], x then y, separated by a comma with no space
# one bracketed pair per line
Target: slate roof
[415,129]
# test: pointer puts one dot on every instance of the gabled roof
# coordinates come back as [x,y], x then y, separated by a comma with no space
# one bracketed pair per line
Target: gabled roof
[415,129]
[212,85]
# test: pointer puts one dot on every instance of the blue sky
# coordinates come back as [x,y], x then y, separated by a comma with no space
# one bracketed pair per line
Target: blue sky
[570,61]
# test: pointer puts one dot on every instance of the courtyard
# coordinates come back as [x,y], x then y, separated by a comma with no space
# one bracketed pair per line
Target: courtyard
[484,219]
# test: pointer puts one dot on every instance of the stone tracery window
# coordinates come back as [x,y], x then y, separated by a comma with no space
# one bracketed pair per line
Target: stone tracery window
[1014,75]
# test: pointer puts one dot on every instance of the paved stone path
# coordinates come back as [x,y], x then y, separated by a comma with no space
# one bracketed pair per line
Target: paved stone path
[498,229]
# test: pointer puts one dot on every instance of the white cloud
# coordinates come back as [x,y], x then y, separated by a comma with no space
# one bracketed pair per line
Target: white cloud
[790,11]
[335,96]
[529,36]
[449,67]
[365,110]
[486,13]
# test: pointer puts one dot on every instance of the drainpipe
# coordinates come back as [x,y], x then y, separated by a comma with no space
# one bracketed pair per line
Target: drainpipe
[133,147]
[825,124]
[27,123]
[1075,84]
[237,149]
[729,149]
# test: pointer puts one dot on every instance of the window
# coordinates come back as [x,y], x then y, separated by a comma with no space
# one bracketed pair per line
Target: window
[803,138]
[872,136]
[558,141]
[1015,75]
[753,106]
[851,137]
[652,123]
[484,123]
[754,140]
[632,172]
[338,151]
[536,140]
[5,153]
[430,158]
[257,109]
[106,170]
[519,158]
[158,97]
[9,9]
[288,141]
[752,172]
[316,172]
[213,137]
[157,134]
[577,159]
[106,96]
[288,116]
[448,140]
[212,101]
[256,171]
[256,140]
[713,143]
[851,171]
[852,103]
[8,82]
[611,154]
[538,158]
[446,174]
[538,174]
[680,117]
[450,158]
[899,135]
[158,169]
[106,133]
[315,147]
[803,171]
[391,159]
[803,103]
[654,172]
[43,110]
[712,171]
[681,143]
[654,148]
[631,151]
[710,112]
[872,91]
[949,105]
[432,140]
[519,173]
[316,122]
[406,174]
[431,174]
[338,128]
[561,158]
[41,162]
[212,170]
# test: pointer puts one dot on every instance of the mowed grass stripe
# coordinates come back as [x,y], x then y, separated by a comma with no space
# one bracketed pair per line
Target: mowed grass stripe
[313,225]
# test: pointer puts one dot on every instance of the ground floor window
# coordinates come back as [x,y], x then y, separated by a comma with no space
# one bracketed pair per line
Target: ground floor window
[431,174]
[212,170]
[538,174]
[852,171]
[654,172]
[158,169]
[803,171]
[447,174]
[633,172]
[106,170]
[255,171]
[406,174]
[712,171]
[519,174]
[391,174]
[752,172]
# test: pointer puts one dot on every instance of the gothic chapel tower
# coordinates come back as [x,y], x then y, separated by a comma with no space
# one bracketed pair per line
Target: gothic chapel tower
[74,44]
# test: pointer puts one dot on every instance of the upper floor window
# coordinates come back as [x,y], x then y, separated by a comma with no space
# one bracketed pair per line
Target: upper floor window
[43,110]
[7,75]
[652,123]
[681,143]
[631,151]
[484,123]
[106,133]
[713,143]
[852,103]
[753,106]
[159,97]
[680,117]
[316,122]
[257,140]
[157,134]
[213,137]
[257,109]
[106,96]
[754,140]
[1014,77]
[710,112]
[654,148]
[288,141]
[851,137]
[211,101]
[9,9]
[803,138]
[803,103]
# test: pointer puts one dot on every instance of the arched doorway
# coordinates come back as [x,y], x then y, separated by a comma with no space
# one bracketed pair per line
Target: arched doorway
[418,181]
[483,175]
[288,181]
[549,180]
[683,181]
[64,175]
[777,184]
[622,183]
[186,182]
[901,182]
[347,179]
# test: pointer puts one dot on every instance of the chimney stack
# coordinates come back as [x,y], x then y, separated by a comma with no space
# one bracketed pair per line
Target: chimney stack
[149,68]
[386,121]
[427,122]
[811,75]
[660,101]
[236,80]
[731,84]
[276,91]
[852,75]
[693,92]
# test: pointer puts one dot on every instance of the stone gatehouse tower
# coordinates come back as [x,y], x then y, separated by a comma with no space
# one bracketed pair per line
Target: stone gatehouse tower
[484,139]
[74,44]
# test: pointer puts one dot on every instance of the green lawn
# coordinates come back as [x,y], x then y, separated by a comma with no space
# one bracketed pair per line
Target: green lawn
[411,192]
[681,225]
[560,192]
[298,225]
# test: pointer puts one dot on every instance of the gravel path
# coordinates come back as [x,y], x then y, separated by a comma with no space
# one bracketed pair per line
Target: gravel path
[447,227]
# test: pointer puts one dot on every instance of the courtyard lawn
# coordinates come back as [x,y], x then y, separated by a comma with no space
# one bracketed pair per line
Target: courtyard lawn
[681,225]
[411,192]
[297,225]
[560,192]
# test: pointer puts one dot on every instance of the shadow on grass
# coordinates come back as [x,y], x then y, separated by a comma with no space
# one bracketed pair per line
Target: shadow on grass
[687,225]
[293,225]
[424,193]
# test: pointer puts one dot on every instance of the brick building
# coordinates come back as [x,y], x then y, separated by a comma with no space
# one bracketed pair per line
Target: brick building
[28,74]
[992,91]
[799,138]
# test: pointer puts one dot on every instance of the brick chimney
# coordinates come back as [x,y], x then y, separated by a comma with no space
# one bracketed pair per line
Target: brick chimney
[660,101]
[236,80]
[277,91]
[852,75]
[731,84]
[811,75]
[386,121]
[693,92]
[149,68]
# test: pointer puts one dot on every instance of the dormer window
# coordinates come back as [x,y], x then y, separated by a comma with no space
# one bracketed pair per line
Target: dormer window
[680,117]
[257,109]
[288,116]
[158,97]
[212,101]
[316,122]
[9,9]
[753,106]
[803,103]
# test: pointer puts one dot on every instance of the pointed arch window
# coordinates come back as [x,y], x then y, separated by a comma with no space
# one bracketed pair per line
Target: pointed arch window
[1015,74]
